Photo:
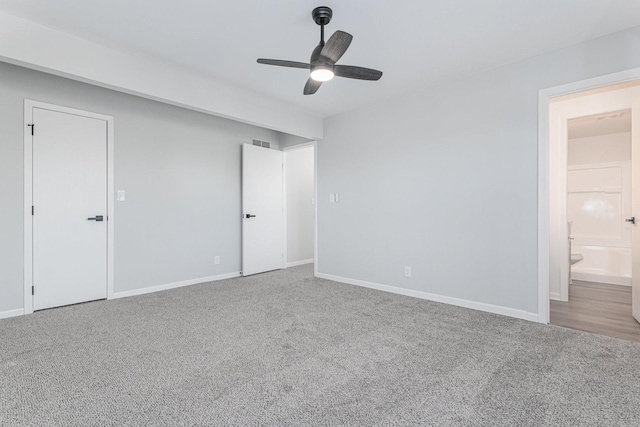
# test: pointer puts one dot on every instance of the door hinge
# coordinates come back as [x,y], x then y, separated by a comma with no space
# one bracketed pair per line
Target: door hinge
[33,126]
[32,210]
[33,290]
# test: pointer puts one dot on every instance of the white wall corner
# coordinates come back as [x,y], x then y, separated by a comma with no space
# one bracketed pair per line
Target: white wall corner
[474,305]
[297,263]
[31,45]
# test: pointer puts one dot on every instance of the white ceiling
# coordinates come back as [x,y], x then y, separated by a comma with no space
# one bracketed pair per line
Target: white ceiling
[416,44]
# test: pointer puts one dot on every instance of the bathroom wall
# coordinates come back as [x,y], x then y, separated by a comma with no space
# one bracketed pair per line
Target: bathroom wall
[600,149]
[598,201]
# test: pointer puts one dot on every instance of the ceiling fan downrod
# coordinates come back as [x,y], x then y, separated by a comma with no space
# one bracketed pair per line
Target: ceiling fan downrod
[322,16]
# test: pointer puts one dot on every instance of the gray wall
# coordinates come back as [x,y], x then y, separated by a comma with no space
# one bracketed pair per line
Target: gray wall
[288,140]
[445,180]
[180,169]
[300,188]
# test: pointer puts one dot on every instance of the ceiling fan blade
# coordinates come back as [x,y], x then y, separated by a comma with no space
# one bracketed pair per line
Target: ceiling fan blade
[280,63]
[311,87]
[360,73]
[336,46]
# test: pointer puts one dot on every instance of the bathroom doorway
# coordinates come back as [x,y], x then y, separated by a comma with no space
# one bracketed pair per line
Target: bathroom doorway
[591,247]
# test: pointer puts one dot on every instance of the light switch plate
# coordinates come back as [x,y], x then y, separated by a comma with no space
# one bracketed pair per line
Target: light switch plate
[120,196]
[332,198]
[337,198]
[407,271]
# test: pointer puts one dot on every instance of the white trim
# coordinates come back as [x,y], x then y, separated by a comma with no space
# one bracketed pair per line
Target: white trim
[111,206]
[29,105]
[315,206]
[27,217]
[474,305]
[544,97]
[555,296]
[174,285]
[285,223]
[297,263]
[11,313]
[602,278]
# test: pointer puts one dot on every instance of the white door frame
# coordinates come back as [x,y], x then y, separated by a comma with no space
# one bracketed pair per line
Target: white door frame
[315,207]
[315,198]
[28,194]
[544,237]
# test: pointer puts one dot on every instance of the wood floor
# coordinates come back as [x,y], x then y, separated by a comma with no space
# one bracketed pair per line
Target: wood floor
[598,308]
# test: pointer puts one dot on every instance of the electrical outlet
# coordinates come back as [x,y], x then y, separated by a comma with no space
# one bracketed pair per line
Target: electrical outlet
[216,260]
[332,198]
[120,196]
[407,271]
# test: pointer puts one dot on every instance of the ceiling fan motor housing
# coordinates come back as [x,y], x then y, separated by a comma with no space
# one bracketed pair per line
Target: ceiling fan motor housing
[318,60]
[322,15]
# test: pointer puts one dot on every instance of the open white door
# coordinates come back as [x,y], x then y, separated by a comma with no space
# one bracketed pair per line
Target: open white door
[262,210]
[635,205]
[69,208]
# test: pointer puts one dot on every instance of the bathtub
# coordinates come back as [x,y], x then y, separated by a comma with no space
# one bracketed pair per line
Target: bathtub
[602,264]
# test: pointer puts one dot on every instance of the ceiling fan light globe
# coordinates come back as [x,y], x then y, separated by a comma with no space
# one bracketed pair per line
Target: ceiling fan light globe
[322,74]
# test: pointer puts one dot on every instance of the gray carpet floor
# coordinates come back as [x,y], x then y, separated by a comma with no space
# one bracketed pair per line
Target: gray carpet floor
[285,348]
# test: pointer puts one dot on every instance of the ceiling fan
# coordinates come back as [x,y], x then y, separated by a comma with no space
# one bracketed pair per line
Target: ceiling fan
[324,57]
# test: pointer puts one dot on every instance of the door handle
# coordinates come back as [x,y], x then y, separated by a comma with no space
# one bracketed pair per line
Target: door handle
[96,218]
[249,216]
[632,220]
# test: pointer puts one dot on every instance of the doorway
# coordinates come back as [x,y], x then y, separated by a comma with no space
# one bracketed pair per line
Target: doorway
[598,205]
[278,207]
[68,206]
[592,232]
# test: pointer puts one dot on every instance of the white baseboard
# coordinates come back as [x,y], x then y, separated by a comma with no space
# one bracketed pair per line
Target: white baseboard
[601,278]
[11,313]
[555,296]
[297,263]
[496,309]
[173,285]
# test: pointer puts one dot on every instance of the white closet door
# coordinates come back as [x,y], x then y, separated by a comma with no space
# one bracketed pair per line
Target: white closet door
[262,207]
[69,188]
